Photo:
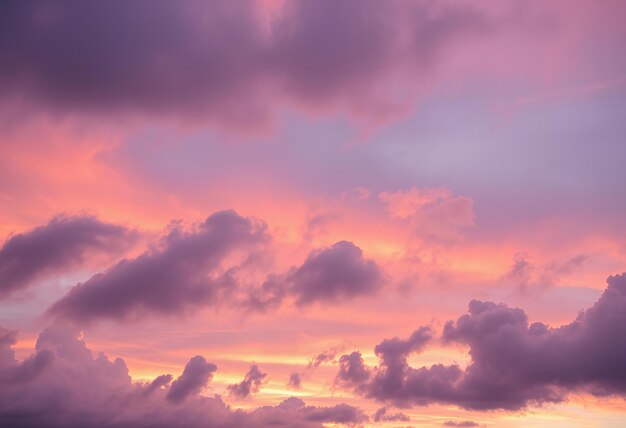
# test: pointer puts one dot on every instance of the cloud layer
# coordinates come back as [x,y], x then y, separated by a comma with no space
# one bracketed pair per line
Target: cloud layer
[169,58]
[64,384]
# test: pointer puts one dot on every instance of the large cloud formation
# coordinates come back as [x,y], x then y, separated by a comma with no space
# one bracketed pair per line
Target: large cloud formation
[186,271]
[513,364]
[63,243]
[63,384]
[196,58]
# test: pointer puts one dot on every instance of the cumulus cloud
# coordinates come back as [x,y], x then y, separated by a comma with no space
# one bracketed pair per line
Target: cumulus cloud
[65,242]
[333,274]
[250,384]
[513,364]
[352,372]
[197,374]
[77,388]
[185,272]
[198,59]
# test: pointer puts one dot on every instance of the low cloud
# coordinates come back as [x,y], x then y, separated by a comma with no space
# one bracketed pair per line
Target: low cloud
[251,383]
[187,271]
[62,244]
[514,364]
[67,385]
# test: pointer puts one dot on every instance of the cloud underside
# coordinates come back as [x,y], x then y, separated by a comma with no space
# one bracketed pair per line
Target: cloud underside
[170,59]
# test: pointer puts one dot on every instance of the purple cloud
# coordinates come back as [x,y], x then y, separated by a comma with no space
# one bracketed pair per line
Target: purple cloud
[197,374]
[460,424]
[513,364]
[62,244]
[12,372]
[250,384]
[295,381]
[158,382]
[78,388]
[353,372]
[197,59]
[334,274]
[382,415]
[182,274]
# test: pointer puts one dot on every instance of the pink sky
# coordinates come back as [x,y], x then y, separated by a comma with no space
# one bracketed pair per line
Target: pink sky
[318,213]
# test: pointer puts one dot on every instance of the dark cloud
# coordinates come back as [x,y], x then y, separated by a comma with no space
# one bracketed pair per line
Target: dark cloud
[197,374]
[295,381]
[158,382]
[352,371]
[79,389]
[334,274]
[187,271]
[64,243]
[200,59]
[383,415]
[513,364]
[250,384]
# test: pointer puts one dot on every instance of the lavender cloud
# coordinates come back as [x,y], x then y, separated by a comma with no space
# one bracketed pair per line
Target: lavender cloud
[197,374]
[78,388]
[64,243]
[185,272]
[383,415]
[334,274]
[513,364]
[250,384]
[197,59]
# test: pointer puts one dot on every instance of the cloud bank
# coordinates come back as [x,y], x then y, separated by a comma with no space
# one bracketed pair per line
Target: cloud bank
[513,364]
[63,384]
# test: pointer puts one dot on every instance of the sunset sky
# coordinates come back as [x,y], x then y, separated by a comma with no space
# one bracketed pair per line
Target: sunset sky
[313,213]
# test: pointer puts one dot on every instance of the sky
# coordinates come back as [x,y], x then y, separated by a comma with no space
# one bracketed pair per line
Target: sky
[313,213]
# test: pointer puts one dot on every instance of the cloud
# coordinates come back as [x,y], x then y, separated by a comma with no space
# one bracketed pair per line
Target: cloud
[460,424]
[158,382]
[334,274]
[352,372]
[12,372]
[513,364]
[197,374]
[64,243]
[198,59]
[382,415]
[295,381]
[186,272]
[250,384]
[436,214]
[78,388]
[527,278]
